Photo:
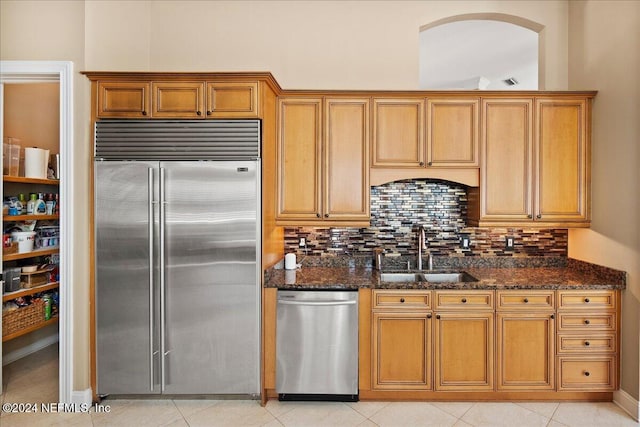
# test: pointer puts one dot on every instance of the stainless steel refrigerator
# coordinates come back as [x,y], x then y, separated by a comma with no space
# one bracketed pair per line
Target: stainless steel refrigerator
[177,257]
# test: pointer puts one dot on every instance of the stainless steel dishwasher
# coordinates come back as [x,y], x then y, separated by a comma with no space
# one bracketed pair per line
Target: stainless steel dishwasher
[317,345]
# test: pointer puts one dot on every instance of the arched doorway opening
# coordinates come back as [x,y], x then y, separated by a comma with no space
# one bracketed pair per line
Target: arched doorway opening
[482,51]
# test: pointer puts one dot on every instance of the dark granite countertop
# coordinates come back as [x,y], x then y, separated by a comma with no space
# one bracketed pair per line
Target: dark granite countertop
[571,274]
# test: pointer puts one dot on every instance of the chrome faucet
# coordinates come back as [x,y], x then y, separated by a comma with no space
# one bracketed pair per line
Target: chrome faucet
[422,245]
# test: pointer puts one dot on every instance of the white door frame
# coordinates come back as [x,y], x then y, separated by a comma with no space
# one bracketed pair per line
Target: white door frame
[62,72]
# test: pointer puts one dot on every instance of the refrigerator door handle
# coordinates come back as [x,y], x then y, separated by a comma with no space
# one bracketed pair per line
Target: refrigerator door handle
[150,219]
[163,351]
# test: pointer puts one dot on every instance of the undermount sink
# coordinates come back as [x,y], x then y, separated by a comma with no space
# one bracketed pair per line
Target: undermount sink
[428,277]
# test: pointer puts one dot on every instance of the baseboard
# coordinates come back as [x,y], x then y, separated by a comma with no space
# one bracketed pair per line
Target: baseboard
[82,397]
[29,349]
[630,405]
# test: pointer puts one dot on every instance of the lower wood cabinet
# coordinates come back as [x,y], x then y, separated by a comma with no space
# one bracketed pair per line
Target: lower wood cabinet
[464,351]
[491,343]
[401,350]
[525,351]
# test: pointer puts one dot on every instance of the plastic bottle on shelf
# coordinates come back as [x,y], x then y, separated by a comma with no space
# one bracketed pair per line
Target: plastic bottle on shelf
[31,204]
[22,204]
[40,208]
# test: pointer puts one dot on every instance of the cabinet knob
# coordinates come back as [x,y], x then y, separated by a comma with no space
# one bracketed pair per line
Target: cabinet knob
[587,373]
[464,300]
[317,215]
[421,163]
[199,113]
[538,216]
[144,113]
[587,343]
[430,163]
[529,216]
[526,300]
[586,300]
[553,316]
[401,299]
[208,113]
[586,322]
[437,316]
[326,215]
[429,316]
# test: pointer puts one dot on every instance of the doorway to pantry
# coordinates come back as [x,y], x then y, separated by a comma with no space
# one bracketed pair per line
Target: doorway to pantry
[26,84]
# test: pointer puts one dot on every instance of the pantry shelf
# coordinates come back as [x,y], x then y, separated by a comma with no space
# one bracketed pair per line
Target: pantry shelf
[24,292]
[8,218]
[30,329]
[32,254]
[23,180]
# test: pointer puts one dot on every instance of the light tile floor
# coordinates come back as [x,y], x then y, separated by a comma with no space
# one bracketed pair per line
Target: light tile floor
[35,379]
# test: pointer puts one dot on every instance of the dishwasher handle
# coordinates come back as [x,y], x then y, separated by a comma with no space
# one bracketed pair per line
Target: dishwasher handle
[317,303]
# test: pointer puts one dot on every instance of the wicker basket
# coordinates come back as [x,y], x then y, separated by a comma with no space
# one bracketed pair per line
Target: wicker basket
[16,320]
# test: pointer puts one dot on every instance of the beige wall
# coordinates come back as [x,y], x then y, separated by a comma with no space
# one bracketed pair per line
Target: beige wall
[305,44]
[31,114]
[604,54]
[55,31]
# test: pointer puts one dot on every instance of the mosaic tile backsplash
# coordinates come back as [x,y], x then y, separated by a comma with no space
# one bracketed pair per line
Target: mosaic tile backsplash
[398,208]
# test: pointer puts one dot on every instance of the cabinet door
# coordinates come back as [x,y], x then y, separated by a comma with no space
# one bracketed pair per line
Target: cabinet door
[562,159]
[507,160]
[232,99]
[398,133]
[298,160]
[401,351]
[525,351]
[452,132]
[178,99]
[464,351]
[346,159]
[124,99]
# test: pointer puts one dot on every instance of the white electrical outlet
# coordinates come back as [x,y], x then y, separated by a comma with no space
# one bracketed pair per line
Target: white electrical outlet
[302,242]
[509,243]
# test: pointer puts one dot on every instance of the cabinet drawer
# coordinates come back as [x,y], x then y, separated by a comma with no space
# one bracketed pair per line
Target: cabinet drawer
[523,300]
[586,300]
[402,299]
[462,300]
[586,322]
[587,343]
[587,373]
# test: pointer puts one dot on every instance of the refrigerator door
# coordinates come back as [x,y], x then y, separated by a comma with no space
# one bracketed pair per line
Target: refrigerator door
[211,277]
[125,299]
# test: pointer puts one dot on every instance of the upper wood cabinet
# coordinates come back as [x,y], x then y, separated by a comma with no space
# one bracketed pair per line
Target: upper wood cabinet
[178,99]
[405,137]
[175,98]
[562,160]
[452,132]
[232,99]
[124,99]
[398,133]
[535,163]
[322,161]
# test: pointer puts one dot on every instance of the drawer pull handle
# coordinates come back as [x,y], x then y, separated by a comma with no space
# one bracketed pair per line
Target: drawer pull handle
[421,163]
[437,316]
[586,300]
[208,113]
[317,215]
[526,300]
[586,374]
[553,316]
[401,299]
[199,113]
[144,113]
[586,322]
[587,343]
[429,316]
[464,300]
